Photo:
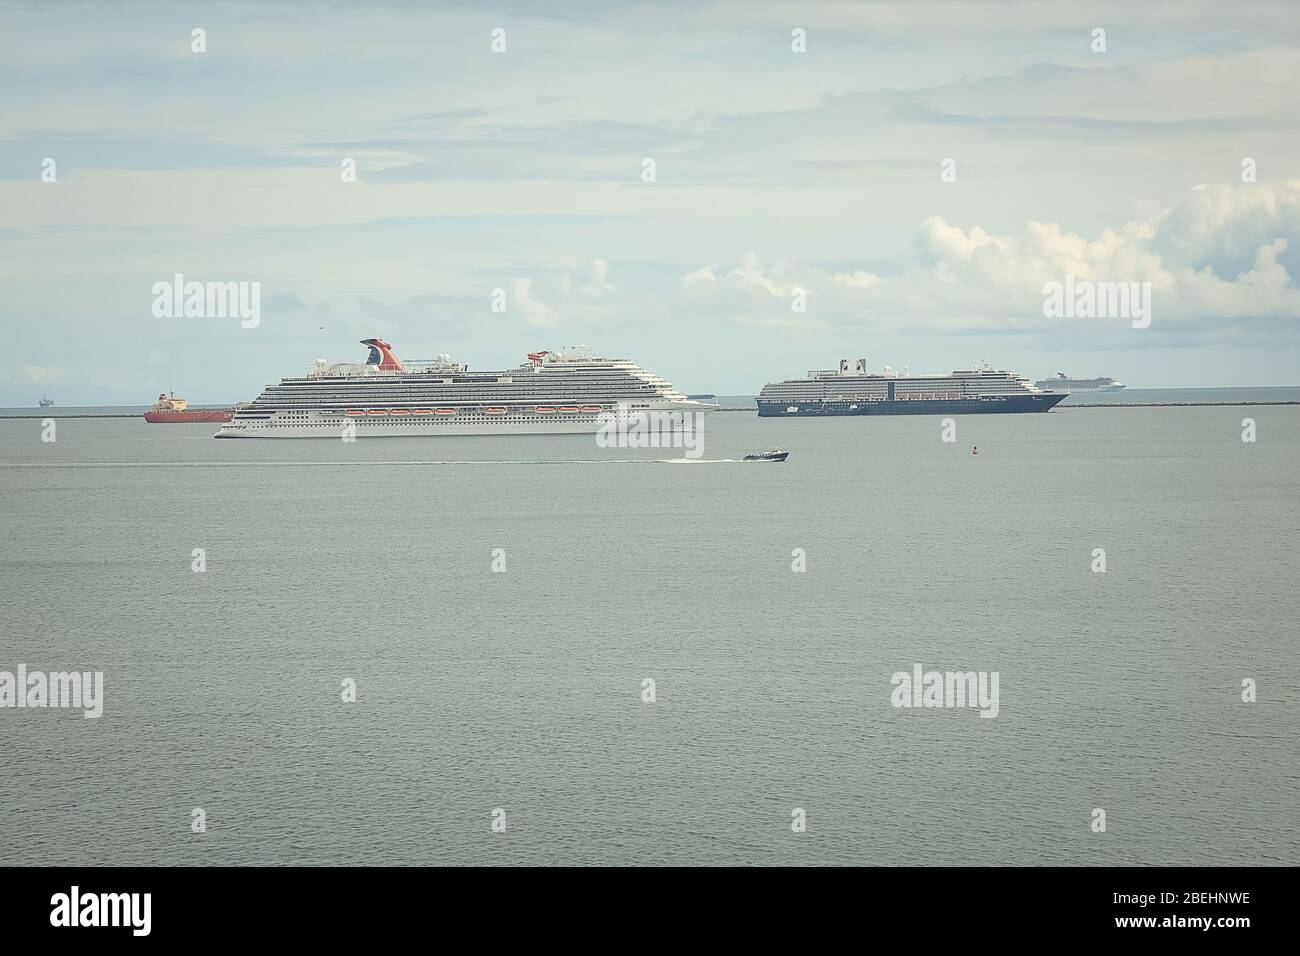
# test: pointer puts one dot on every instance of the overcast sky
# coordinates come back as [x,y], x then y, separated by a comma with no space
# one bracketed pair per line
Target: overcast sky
[775,171]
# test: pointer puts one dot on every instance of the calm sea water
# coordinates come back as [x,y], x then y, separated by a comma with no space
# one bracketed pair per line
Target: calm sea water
[523,690]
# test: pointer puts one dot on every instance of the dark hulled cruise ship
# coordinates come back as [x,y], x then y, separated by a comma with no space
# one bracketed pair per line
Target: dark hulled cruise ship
[852,390]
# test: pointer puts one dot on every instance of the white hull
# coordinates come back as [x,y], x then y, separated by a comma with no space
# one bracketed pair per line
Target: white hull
[467,422]
[1069,387]
[1083,389]
[553,393]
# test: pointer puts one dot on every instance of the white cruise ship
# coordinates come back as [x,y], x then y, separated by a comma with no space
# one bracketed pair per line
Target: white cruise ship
[551,393]
[1063,383]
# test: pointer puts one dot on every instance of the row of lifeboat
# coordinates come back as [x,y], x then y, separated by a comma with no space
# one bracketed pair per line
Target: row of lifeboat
[490,410]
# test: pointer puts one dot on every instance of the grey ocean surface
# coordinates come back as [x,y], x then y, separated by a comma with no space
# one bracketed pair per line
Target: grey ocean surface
[522,690]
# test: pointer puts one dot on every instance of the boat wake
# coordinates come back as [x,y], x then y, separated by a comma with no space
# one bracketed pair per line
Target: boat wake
[370,464]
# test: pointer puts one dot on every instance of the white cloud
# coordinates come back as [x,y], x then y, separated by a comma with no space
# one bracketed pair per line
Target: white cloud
[702,278]
[596,287]
[564,297]
[1222,253]
[750,277]
[535,313]
[857,278]
[39,375]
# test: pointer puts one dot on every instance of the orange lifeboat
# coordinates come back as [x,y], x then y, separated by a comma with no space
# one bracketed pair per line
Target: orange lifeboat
[444,411]
[544,409]
[495,411]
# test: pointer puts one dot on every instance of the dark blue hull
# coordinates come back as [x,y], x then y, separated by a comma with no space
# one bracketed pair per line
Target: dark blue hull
[990,405]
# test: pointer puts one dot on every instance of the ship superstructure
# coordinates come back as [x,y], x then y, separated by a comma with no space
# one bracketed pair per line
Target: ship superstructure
[1063,383]
[169,408]
[551,393]
[853,390]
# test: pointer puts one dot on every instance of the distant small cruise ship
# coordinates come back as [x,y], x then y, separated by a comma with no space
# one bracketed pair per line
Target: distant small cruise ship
[852,390]
[1063,383]
[552,393]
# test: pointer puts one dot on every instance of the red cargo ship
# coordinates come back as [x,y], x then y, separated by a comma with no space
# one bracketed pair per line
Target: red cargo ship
[169,408]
